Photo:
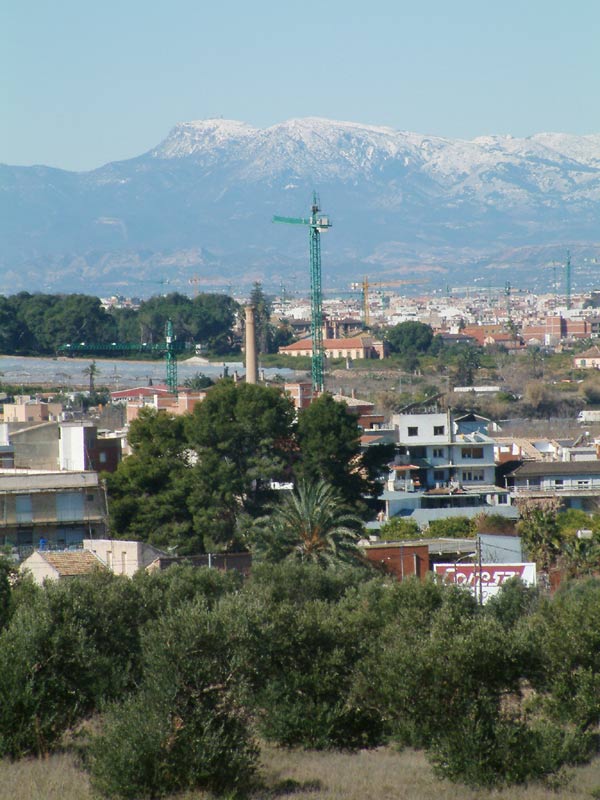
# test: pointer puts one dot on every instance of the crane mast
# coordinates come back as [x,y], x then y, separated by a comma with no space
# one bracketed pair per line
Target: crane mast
[317,223]
[568,281]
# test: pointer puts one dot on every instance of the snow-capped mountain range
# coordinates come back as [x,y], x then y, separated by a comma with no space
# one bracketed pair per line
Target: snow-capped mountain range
[201,203]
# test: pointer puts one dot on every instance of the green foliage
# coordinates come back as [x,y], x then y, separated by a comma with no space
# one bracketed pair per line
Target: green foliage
[198,381]
[399,528]
[149,491]
[262,316]
[494,523]
[409,337]
[488,749]
[127,760]
[306,653]
[47,321]
[298,582]
[452,528]
[568,636]
[185,728]
[570,520]
[167,590]
[189,661]
[38,323]
[514,602]
[312,523]
[329,442]
[198,482]
[241,435]
[466,363]
[7,574]
[70,648]
[539,532]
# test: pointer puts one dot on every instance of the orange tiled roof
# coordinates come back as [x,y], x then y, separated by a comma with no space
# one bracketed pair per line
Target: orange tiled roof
[593,352]
[67,564]
[329,344]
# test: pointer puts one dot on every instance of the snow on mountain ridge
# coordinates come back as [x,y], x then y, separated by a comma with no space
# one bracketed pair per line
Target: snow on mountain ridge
[189,138]
[491,168]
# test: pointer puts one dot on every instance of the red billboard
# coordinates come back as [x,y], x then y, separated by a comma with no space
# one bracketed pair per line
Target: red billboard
[485,581]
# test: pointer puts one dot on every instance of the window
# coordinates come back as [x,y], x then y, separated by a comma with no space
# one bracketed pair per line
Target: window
[89,498]
[438,474]
[438,452]
[502,499]
[559,482]
[472,475]
[438,430]
[23,508]
[583,483]
[471,452]
[413,431]
[103,457]
[69,507]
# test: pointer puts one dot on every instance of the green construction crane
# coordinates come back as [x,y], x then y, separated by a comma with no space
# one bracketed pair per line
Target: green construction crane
[507,291]
[317,224]
[170,347]
[568,280]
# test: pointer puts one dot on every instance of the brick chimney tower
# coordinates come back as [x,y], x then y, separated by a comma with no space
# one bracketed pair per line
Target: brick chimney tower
[251,361]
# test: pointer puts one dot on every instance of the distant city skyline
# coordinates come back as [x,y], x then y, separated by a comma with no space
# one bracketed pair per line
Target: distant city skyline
[85,84]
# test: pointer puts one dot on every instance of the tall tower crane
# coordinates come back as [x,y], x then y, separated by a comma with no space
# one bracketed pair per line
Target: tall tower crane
[507,291]
[317,224]
[568,280]
[169,348]
[366,284]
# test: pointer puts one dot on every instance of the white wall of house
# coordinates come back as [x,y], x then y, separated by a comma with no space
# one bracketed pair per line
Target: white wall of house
[39,568]
[422,428]
[71,447]
[123,557]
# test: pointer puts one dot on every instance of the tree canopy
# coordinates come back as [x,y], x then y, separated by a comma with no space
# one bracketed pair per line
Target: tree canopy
[409,337]
[329,445]
[199,481]
[311,524]
[40,323]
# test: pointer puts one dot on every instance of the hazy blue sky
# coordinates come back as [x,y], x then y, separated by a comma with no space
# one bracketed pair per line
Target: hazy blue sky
[83,83]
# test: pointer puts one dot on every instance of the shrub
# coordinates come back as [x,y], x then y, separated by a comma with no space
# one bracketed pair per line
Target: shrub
[452,528]
[186,727]
[167,590]
[397,529]
[304,697]
[300,582]
[41,679]
[487,749]
[73,646]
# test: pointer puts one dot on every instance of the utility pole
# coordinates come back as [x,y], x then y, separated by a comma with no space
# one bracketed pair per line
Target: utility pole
[480,569]
[317,223]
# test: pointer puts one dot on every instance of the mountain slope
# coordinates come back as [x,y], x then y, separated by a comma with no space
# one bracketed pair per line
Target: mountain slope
[202,200]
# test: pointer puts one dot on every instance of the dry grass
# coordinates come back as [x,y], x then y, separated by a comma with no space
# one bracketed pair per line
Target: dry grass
[295,775]
[54,778]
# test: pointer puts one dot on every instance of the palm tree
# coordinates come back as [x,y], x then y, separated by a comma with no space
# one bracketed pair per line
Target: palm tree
[311,524]
[580,557]
[91,373]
